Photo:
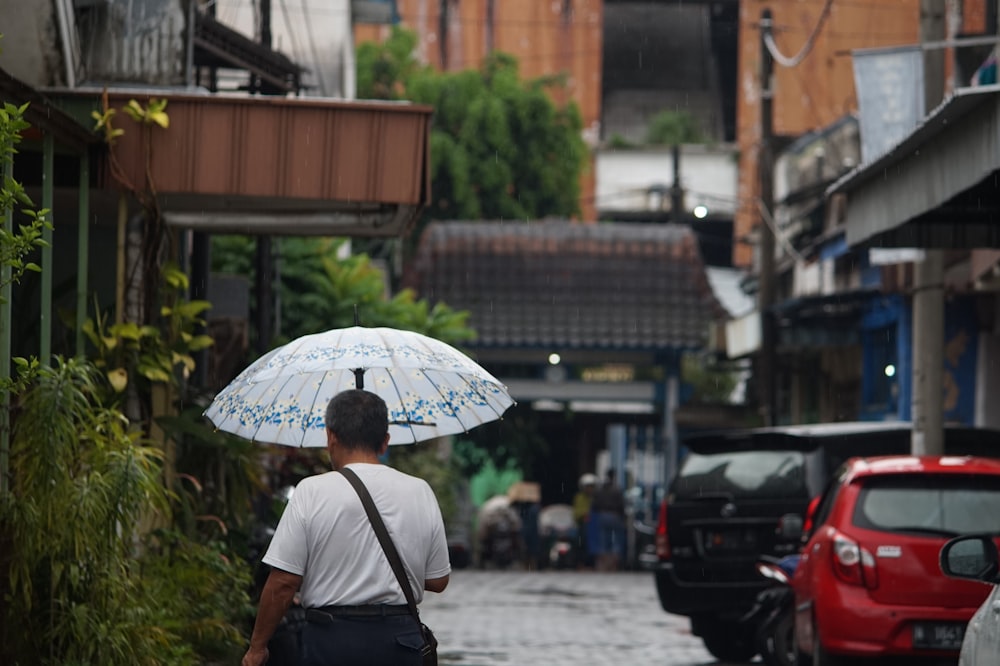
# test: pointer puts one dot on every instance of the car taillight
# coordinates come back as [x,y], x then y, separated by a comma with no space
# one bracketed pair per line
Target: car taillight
[853,564]
[662,540]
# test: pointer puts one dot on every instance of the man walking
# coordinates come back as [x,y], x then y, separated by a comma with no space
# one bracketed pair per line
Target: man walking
[325,549]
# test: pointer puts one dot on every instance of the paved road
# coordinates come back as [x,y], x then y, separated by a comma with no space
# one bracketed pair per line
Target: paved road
[555,618]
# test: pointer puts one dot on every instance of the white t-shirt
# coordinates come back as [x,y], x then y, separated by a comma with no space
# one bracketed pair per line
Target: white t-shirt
[324,535]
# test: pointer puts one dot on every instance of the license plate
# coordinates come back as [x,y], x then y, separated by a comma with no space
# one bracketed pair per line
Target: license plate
[730,539]
[938,635]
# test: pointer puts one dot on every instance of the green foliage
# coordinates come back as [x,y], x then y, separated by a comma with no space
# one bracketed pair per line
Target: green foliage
[201,595]
[155,353]
[81,485]
[618,142]
[670,128]
[218,475]
[711,383]
[513,443]
[500,148]
[16,246]
[383,68]
[319,291]
[85,583]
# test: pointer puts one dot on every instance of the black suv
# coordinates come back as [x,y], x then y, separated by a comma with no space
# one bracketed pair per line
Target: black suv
[741,494]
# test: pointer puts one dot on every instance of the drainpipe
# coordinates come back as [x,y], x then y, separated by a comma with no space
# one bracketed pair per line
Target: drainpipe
[927,436]
[48,173]
[120,258]
[6,293]
[767,360]
[83,247]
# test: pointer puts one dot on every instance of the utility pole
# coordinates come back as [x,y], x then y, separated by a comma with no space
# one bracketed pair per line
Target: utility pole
[265,264]
[928,275]
[767,357]
[677,215]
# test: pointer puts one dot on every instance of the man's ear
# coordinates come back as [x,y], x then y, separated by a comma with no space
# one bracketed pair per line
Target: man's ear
[385,445]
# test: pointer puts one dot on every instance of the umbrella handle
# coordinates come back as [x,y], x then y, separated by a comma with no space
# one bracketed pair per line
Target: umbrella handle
[359,378]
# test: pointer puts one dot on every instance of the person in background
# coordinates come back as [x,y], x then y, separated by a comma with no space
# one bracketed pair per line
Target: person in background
[325,549]
[525,498]
[581,514]
[608,513]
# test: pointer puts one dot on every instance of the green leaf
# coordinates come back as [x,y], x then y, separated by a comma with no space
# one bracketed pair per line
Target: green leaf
[199,342]
[118,379]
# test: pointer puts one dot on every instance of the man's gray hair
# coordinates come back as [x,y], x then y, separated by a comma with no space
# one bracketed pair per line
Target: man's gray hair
[359,419]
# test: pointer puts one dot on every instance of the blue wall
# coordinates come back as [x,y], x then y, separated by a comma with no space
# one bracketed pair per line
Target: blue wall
[892,316]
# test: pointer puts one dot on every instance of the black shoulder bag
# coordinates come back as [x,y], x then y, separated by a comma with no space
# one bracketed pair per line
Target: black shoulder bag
[391,554]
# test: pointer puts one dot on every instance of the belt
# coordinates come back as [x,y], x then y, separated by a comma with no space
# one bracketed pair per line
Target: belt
[326,614]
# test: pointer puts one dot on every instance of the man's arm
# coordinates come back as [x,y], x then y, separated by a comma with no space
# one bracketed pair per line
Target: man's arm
[436,584]
[277,596]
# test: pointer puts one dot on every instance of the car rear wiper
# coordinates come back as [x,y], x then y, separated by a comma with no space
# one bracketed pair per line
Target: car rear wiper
[716,495]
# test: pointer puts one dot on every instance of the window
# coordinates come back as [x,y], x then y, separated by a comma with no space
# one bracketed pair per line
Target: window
[937,504]
[743,474]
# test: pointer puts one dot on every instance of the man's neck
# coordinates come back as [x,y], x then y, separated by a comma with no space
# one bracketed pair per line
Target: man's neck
[357,457]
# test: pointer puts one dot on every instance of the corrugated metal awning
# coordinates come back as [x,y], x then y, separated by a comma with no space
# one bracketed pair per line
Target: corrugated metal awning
[272,165]
[938,187]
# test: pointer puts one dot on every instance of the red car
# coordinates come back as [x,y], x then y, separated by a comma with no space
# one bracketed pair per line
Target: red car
[869,583]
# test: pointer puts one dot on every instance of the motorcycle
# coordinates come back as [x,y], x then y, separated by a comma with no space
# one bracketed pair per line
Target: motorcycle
[558,534]
[498,533]
[773,613]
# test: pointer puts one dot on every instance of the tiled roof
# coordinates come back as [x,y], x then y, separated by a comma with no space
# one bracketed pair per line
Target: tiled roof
[571,286]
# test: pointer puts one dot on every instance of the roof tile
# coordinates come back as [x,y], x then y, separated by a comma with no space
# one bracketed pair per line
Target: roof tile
[560,284]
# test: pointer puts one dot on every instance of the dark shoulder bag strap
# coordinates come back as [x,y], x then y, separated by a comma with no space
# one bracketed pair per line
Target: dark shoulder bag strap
[382,533]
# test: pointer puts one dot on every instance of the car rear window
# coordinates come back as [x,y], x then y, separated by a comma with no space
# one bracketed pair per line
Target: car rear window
[932,504]
[742,474]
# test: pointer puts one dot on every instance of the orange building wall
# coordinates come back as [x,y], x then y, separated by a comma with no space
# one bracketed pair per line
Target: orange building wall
[545,41]
[820,89]
[814,94]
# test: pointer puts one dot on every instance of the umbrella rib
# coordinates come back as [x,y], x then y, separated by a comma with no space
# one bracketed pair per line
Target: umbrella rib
[452,407]
[406,411]
[312,405]
[277,394]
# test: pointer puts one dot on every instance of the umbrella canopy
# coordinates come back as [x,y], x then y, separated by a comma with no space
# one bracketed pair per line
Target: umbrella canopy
[430,388]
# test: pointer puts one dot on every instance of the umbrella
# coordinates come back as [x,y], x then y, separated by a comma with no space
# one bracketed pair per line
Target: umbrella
[430,388]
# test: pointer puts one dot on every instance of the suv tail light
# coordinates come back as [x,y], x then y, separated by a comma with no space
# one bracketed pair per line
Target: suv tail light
[852,563]
[662,540]
[810,521]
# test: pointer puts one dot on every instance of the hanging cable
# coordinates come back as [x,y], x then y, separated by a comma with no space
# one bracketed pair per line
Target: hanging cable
[794,61]
[769,220]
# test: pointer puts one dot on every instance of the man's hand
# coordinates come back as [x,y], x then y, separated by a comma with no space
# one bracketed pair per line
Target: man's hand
[255,657]
[276,597]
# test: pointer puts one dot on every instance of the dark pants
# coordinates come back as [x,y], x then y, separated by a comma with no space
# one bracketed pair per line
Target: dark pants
[361,641]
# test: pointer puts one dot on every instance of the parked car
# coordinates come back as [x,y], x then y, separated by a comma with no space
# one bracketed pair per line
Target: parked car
[869,583]
[741,494]
[976,558]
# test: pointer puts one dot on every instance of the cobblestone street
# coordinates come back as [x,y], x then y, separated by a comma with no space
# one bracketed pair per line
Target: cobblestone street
[492,618]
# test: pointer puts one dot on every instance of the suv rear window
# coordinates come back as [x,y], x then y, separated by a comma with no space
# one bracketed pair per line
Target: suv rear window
[742,474]
[930,504]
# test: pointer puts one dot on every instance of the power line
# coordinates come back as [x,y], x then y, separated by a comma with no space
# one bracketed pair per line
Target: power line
[794,61]
[288,26]
[312,48]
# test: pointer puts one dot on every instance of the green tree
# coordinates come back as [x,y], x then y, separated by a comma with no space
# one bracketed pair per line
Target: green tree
[671,128]
[319,290]
[500,147]
[710,382]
